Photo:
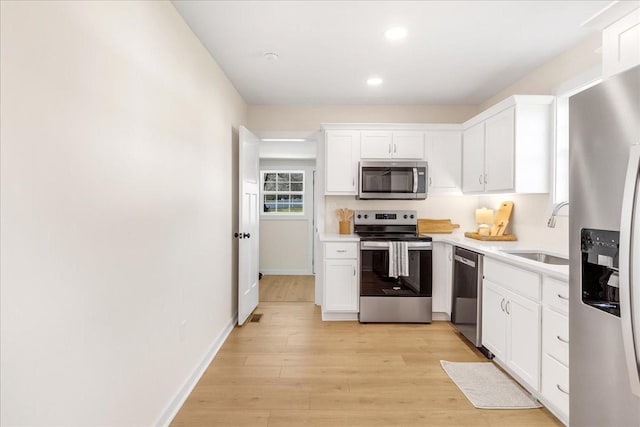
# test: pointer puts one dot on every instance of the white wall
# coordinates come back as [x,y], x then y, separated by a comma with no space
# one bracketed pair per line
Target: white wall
[544,79]
[116,164]
[528,220]
[286,242]
[306,117]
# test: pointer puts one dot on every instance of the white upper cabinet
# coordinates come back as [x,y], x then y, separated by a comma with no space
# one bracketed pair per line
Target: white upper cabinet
[376,144]
[347,144]
[342,154]
[506,147]
[499,133]
[473,159]
[444,158]
[620,26]
[408,145]
[385,145]
[621,44]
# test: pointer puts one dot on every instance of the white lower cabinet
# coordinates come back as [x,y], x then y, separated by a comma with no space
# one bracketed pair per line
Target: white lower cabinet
[511,331]
[555,347]
[442,280]
[523,337]
[494,320]
[555,335]
[525,324]
[555,386]
[340,296]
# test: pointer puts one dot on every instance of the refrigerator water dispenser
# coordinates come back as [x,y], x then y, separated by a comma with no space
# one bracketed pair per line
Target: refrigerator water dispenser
[600,287]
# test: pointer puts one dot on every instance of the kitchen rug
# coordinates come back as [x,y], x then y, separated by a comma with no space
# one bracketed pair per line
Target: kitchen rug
[487,387]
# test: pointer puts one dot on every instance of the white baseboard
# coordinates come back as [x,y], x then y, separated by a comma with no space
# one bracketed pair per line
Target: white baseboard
[440,316]
[287,272]
[180,397]
[339,316]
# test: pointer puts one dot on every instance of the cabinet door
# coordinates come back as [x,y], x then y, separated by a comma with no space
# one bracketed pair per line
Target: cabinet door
[341,285]
[448,278]
[621,44]
[494,322]
[376,145]
[499,145]
[444,156]
[342,156]
[473,159]
[442,275]
[408,145]
[555,385]
[439,277]
[523,339]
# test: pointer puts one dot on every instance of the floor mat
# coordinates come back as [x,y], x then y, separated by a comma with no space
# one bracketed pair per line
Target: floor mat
[487,387]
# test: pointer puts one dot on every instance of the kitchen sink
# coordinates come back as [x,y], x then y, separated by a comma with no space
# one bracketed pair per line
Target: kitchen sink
[541,257]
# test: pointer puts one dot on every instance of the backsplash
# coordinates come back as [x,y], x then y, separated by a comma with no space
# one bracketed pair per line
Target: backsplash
[528,220]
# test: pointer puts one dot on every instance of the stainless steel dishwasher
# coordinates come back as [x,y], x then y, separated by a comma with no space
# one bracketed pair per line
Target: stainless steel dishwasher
[466,303]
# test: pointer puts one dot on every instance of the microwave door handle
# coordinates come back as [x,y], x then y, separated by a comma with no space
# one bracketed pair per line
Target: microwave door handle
[415,180]
[629,271]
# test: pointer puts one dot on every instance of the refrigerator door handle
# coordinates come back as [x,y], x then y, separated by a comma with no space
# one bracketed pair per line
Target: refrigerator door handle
[629,280]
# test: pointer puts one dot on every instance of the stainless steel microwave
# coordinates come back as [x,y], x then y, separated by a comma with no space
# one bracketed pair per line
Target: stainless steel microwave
[392,180]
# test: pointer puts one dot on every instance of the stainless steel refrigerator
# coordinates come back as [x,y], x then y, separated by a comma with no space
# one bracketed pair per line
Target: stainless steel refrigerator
[604,245]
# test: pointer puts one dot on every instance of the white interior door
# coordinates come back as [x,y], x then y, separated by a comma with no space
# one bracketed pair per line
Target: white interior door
[248,232]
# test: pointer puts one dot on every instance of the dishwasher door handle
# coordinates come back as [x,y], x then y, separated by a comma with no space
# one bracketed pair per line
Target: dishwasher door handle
[465,261]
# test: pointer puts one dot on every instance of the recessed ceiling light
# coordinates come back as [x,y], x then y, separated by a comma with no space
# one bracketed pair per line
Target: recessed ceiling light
[396,33]
[374,81]
[270,56]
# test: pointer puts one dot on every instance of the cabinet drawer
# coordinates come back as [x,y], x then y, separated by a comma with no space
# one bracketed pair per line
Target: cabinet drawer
[555,335]
[555,384]
[523,282]
[338,250]
[555,293]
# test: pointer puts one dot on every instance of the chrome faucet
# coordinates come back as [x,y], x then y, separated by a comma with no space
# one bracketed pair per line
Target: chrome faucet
[556,208]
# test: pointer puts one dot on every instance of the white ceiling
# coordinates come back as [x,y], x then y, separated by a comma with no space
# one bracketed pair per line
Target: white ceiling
[457,52]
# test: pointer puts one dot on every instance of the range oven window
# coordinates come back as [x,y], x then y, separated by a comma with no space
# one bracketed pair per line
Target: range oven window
[375,280]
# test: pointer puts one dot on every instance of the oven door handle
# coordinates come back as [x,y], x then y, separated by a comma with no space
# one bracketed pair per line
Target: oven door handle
[384,246]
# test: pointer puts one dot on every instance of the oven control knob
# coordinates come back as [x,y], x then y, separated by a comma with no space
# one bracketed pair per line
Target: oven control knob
[359,216]
[412,216]
[366,216]
[406,216]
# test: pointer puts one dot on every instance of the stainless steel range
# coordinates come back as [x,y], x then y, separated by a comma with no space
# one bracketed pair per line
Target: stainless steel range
[395,267]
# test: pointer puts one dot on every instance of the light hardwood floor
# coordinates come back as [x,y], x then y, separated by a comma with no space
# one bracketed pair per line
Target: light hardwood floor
[292,369]
[287,288]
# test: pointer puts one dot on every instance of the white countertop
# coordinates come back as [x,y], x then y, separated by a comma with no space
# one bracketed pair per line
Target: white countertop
[490,249]
[332,237]
[496,250]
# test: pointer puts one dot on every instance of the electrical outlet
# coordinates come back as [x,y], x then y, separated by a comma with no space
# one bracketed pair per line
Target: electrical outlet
[183,330]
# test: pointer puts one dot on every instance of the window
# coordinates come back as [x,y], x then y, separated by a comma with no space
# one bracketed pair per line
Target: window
[283,192]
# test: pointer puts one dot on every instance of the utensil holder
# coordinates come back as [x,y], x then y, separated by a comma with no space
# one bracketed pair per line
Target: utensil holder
[345,227]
